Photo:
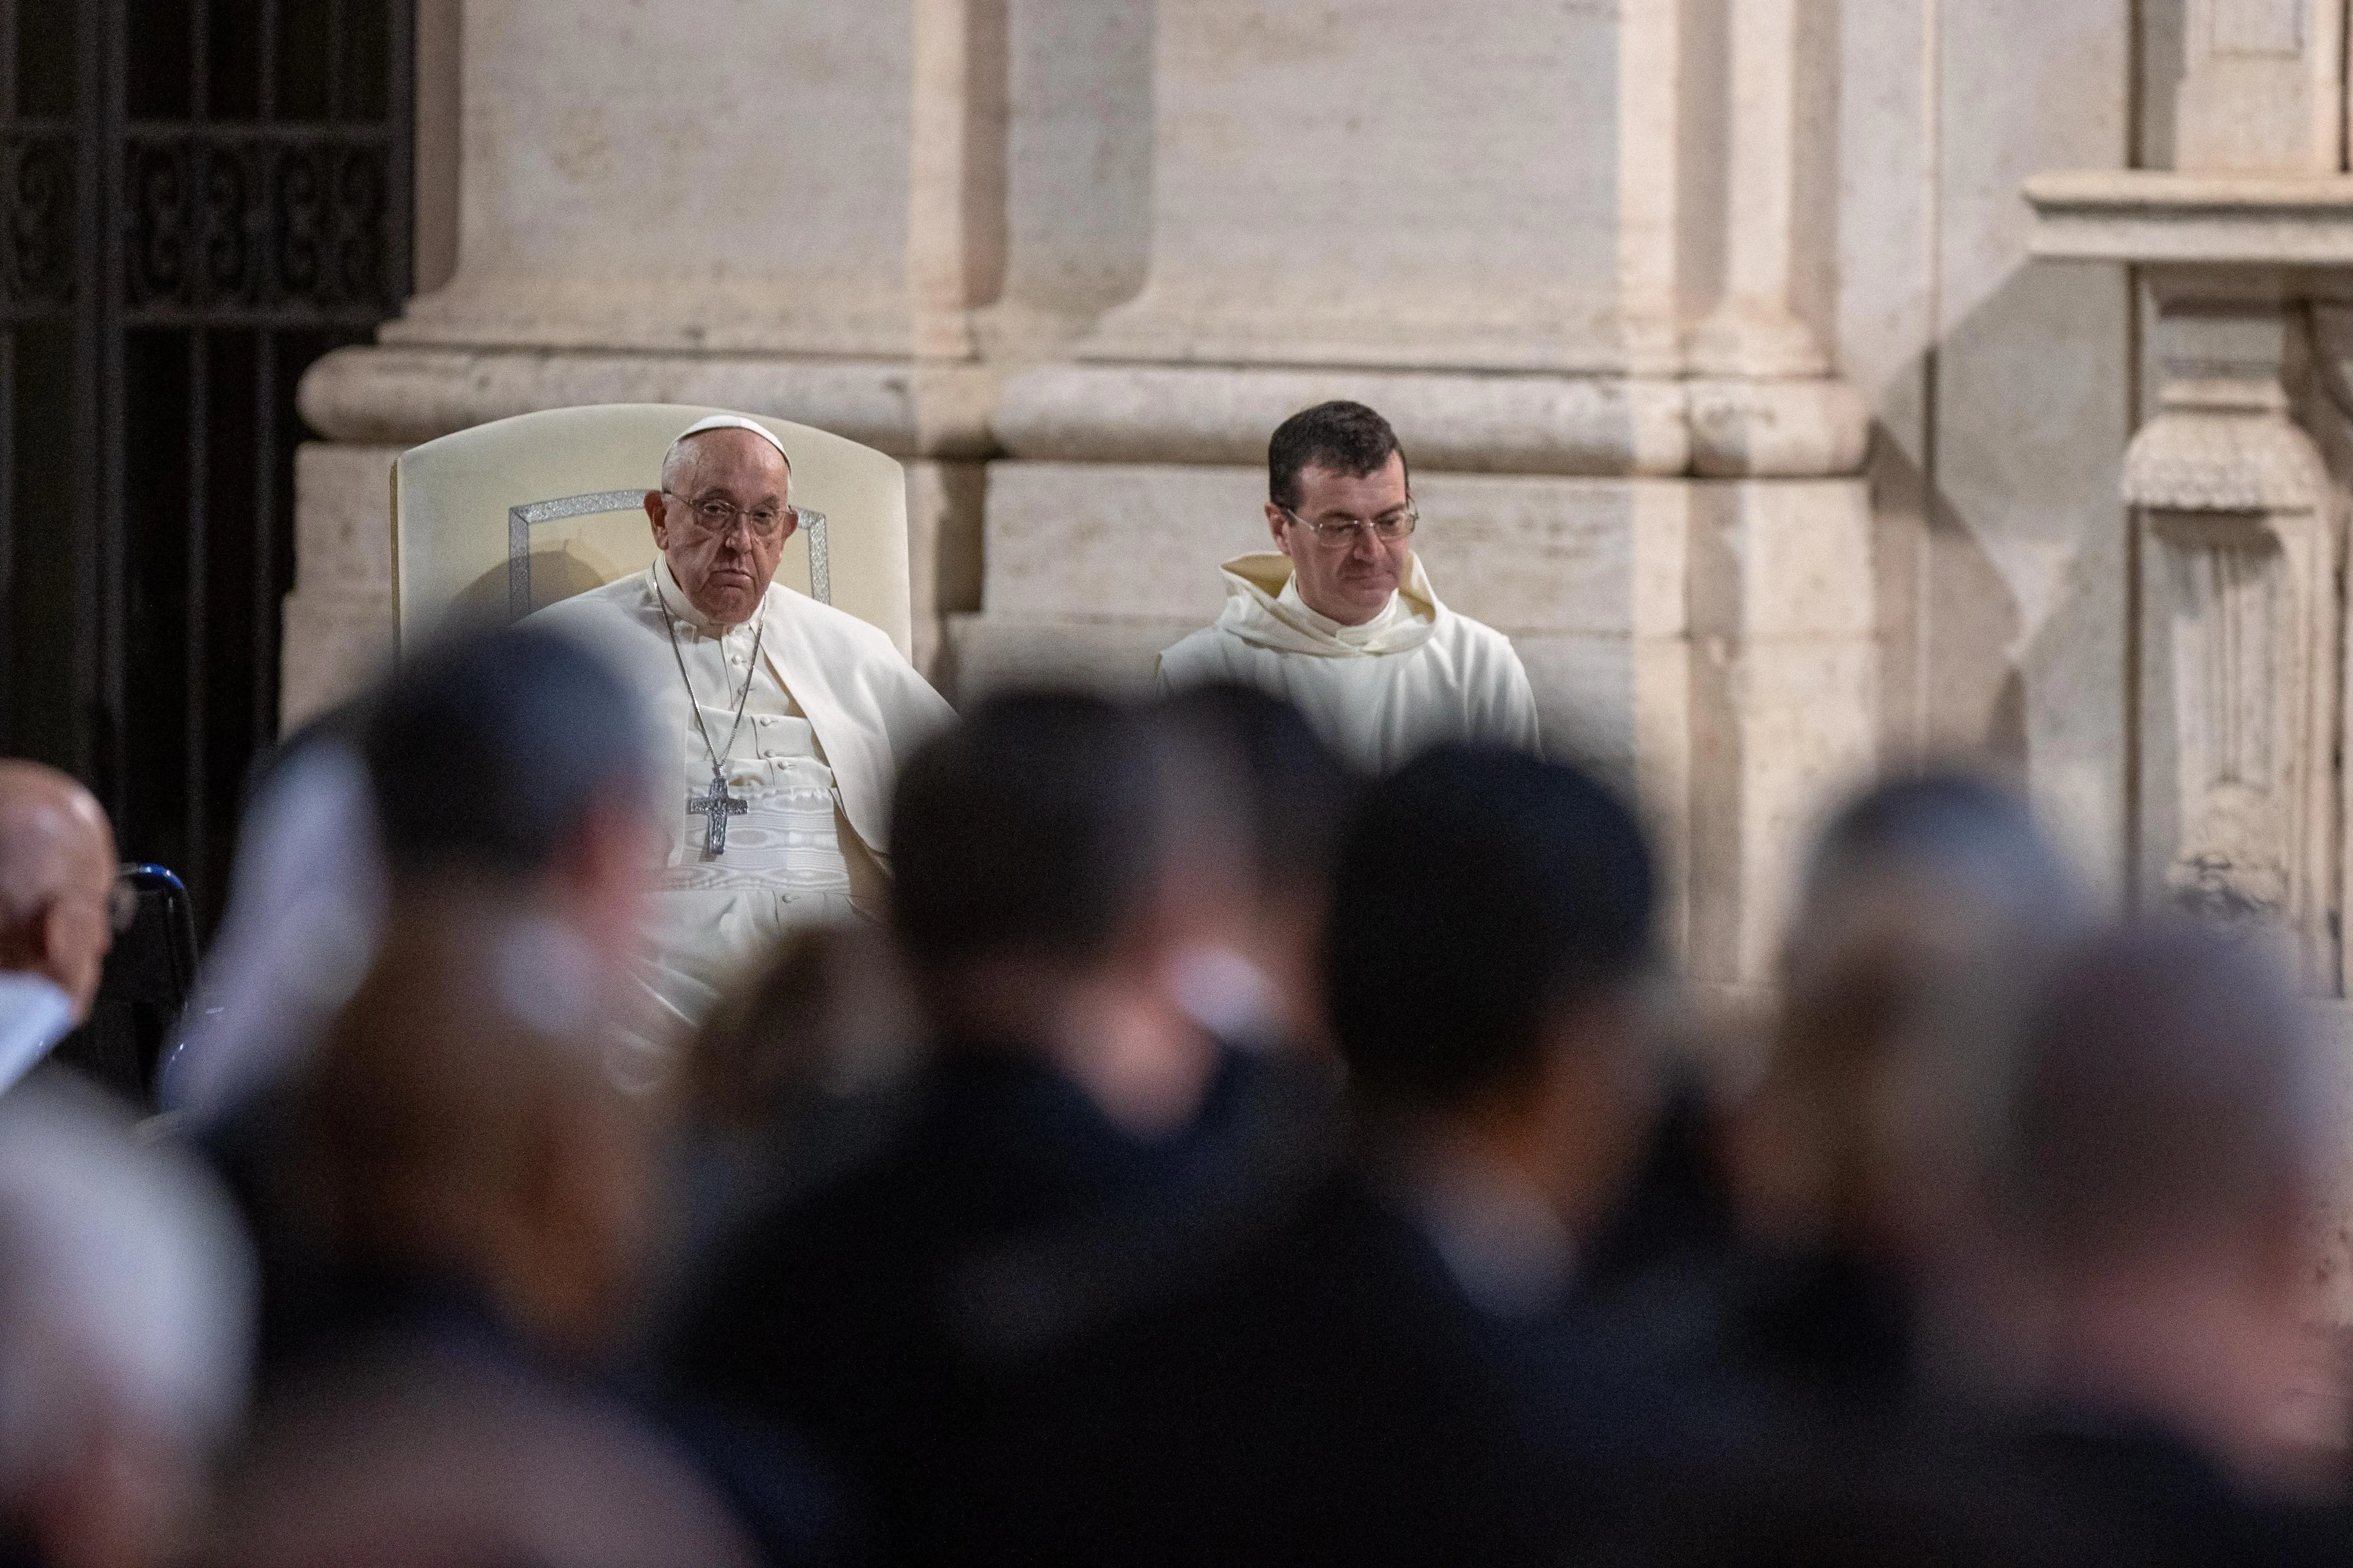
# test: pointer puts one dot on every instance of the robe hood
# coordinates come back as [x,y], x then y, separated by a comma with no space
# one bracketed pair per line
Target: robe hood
[1260,612]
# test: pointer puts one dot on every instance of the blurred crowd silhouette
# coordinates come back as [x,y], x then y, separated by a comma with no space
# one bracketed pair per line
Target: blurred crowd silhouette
[1217,1158]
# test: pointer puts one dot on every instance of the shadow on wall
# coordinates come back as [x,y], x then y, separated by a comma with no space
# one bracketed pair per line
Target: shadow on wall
[2019,547]
[1949,621]
[1073,161]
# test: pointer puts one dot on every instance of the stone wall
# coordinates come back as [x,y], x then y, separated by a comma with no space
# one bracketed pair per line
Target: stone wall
[1732,392]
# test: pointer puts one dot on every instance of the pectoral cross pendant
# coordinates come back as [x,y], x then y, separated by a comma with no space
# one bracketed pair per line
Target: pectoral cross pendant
[716,808]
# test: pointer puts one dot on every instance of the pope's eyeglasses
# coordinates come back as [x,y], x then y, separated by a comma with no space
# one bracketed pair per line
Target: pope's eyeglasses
[719,517]
[1388,528]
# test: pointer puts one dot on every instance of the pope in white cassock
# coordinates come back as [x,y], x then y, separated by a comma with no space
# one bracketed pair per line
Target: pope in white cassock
[788,719]
[1342,622]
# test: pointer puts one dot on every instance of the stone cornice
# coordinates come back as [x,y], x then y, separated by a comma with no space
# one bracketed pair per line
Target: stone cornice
[1455,421]
[401,394]
[1465,423]
[2159,217]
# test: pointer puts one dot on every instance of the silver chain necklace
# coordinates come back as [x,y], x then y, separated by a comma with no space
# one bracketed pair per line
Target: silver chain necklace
[719,805]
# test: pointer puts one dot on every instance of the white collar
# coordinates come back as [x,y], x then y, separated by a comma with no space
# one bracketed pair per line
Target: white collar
[682,608]
[1263,607]
[1394,614]
[35,1013]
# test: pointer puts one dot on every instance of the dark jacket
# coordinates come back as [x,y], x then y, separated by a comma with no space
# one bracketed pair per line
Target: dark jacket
[911,1315]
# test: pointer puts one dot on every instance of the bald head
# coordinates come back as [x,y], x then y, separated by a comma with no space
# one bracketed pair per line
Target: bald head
[57,866]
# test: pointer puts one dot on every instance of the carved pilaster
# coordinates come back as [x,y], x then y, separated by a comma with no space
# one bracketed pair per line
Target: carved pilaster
[2240,584]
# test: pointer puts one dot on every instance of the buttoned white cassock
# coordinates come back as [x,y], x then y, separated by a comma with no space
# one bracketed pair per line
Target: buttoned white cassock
[832,713]
[1414,675]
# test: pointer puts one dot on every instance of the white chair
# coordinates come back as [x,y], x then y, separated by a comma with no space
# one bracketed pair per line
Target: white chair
[496,522]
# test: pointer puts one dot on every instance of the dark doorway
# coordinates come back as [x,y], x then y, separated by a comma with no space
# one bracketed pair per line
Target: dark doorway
[201,197]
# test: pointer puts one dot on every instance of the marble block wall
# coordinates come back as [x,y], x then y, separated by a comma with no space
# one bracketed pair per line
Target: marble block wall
[1732,392]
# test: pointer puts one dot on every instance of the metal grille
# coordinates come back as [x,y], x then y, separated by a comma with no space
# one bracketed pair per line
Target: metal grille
[201,197]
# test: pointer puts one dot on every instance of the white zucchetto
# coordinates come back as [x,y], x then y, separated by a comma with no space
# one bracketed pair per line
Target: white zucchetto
[737,422]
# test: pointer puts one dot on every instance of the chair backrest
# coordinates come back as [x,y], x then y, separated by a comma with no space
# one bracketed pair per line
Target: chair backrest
[498,521]
[141,991]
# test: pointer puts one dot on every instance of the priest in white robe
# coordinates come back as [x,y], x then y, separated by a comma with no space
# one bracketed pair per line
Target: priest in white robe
[1340,619]
[788,719]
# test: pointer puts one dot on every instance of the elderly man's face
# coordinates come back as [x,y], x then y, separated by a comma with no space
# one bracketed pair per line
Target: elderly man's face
[1345,573]
[707,521]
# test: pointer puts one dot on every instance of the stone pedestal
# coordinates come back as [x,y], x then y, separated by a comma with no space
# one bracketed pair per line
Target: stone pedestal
[2238,482]
[2242,621]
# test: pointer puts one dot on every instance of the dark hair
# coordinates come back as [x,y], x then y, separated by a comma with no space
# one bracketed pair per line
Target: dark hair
[1346,438]
[1033,829]
[1298,795]
[2162,1090]
[1479,888]
[489,752]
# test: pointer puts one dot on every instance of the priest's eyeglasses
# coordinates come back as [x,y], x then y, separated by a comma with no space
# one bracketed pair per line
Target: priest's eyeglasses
[719,516]
[1342,533]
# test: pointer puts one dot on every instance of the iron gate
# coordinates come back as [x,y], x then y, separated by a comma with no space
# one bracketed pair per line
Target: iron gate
[202,197]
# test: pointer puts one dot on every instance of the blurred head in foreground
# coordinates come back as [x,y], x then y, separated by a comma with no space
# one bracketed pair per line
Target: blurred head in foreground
[1066,883]
[56,874]
[126,1304]
[514,762]
[465,1124]
[2161,1171]
[828,1017]
[463,1118]
[305,906]
[1297,799]
[1924,898]
[1490,936]
[475,1188]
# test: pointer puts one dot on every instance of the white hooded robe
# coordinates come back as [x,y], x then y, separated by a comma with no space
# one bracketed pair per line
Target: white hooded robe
[1414,675]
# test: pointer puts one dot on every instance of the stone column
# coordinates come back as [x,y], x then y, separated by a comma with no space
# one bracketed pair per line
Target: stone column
[2263,87]
[2241,517]
[2242,616]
